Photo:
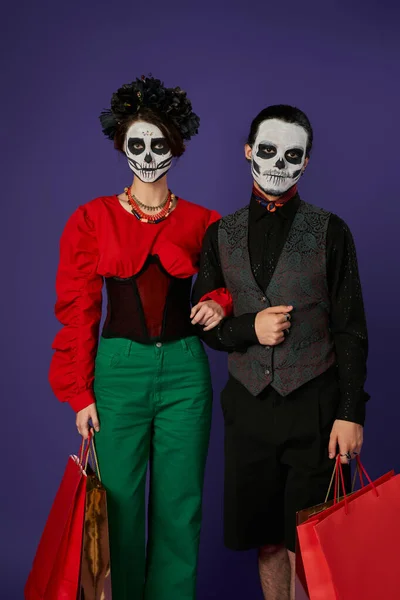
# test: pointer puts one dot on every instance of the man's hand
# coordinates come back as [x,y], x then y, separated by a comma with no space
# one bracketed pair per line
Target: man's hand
[271,323]
[348,436]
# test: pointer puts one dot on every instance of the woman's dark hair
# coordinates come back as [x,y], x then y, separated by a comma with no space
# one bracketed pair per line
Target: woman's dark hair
[149,100]
[169,130]
[283,112]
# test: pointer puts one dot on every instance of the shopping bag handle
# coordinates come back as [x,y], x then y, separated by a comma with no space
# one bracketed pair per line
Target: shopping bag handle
[84,452]
[339,472]
[362,471]
[338,478]
[90,450]
[95,462]
[357,471]
[334,480]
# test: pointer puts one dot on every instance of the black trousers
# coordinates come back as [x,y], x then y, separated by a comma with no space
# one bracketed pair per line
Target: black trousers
[276,459]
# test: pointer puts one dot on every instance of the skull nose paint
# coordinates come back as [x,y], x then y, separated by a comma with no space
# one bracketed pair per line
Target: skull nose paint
[148,159]
[280,164]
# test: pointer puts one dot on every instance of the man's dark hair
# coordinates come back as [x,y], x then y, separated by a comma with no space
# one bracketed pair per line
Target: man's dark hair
[283,112]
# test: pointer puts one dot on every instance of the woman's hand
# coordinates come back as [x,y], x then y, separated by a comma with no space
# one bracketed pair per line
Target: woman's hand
[82,420]
[208,313]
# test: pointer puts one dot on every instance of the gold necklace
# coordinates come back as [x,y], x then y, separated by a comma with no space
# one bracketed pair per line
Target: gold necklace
[145,206]
[154,218]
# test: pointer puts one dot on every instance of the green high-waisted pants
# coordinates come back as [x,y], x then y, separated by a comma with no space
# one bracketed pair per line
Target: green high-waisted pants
[154,405]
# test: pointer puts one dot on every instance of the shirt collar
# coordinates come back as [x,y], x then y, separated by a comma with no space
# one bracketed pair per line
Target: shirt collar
[287,211]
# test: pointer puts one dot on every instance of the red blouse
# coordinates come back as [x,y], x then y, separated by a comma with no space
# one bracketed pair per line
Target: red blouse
[101,240]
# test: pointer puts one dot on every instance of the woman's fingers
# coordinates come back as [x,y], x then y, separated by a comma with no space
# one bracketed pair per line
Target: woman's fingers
[200,313]
[84,430]
[205,312]
[95,419]
[212,324]
[86,419]
[195,310]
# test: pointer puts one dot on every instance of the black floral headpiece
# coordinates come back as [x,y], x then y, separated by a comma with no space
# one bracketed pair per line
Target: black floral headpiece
[150,93]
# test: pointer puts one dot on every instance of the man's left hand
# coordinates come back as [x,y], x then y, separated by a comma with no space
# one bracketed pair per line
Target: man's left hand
[349,437]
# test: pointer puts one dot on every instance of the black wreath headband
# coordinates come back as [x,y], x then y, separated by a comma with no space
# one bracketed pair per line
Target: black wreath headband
[150,93]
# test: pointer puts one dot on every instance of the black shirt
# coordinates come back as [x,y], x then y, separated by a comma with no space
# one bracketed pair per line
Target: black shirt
[267,235]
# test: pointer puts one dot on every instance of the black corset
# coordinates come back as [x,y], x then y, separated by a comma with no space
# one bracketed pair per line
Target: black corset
[151,306]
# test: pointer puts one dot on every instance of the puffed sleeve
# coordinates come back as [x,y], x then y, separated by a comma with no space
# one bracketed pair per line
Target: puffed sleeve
[213,217]
[220,295]
[78,308]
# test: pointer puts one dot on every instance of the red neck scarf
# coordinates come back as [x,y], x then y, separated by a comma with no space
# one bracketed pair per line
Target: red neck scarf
[272,205]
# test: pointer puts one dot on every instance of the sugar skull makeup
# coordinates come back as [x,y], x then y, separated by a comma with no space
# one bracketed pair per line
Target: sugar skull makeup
[148,153]
[278,156]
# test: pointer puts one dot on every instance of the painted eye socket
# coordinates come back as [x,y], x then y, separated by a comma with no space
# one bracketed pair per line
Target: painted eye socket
[266,151]
[294,156]
[160,146]
[136,145]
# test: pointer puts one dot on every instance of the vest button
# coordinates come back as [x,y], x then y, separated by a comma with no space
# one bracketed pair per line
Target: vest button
[267,371]
[263,299]
[268,347]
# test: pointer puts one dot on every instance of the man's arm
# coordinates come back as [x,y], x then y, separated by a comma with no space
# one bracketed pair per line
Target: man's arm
[233,333]
[348,322]
[349,330]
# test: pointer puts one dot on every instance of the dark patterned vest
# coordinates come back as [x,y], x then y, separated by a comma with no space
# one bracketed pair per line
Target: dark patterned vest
[299,280]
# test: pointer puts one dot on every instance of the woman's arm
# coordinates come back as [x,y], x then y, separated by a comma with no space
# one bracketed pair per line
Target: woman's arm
[78,309]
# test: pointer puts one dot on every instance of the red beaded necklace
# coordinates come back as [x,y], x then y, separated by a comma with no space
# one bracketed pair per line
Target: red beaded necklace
[146,218]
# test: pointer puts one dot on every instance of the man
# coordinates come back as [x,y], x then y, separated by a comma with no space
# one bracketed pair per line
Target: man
[297,348]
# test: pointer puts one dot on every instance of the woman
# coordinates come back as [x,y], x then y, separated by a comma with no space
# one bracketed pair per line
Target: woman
[146,386]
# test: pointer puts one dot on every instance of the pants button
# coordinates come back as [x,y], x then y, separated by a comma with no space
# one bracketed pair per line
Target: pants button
[159,344]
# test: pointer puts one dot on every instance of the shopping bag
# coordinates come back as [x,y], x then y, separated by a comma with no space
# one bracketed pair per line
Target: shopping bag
[320,583]
[360,543]
[95,579]
[73,559]
[56,566]
[304,515]
[301,517]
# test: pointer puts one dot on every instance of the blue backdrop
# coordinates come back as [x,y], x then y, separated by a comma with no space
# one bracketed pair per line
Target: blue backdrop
[61,62]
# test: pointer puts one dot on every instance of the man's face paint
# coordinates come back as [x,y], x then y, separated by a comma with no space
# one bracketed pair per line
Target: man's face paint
[278,156]
[148,153]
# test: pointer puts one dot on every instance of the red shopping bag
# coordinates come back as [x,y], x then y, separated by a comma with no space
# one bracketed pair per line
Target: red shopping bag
[306,514]
[322,583]
[56,567]
[363,555]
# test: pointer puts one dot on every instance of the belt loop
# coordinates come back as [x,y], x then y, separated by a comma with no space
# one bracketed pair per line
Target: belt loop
[128,348]
[184,344]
